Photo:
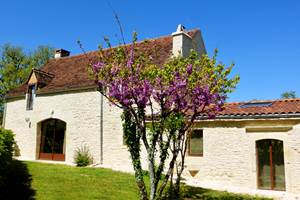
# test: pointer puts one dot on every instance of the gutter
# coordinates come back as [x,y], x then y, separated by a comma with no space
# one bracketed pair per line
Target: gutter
[246,117]
[258,116]
[54,91]
[66,90]
[101,128]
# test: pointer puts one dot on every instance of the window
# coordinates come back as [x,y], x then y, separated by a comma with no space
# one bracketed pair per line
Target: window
[196,143]
[52,143]
[270,164]
[30,97]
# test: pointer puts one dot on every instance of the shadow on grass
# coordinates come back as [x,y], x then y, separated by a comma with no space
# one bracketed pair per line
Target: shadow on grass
[195,193]
[15,182]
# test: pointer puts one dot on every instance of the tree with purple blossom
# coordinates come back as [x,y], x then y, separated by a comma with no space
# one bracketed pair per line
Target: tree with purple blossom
[160,105]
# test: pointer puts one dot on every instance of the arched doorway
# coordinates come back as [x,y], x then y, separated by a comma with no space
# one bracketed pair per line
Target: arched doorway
[52,144]
[270,164]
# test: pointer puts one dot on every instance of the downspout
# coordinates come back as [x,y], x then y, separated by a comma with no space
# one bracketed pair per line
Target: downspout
[101,129]
[4,115]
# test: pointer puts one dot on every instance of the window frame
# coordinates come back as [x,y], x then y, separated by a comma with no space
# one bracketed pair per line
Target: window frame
[189,144]
[30,96]
[270,146]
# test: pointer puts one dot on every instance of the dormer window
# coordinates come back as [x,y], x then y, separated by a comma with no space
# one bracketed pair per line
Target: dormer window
[30,96]
[37,80]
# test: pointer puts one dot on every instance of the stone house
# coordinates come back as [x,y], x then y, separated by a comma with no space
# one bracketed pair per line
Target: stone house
[251,147]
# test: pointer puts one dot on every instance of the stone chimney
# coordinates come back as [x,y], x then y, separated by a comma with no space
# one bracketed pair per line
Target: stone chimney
[183,42]
[59,53]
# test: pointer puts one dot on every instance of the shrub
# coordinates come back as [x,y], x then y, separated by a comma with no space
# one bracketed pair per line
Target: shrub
[6,147]
[83,157]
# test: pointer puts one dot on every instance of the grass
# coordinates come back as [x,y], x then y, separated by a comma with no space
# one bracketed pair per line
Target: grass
[61,182]
[41,181]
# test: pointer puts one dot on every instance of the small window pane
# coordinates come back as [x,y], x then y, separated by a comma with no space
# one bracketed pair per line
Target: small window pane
[264,170]
[278,165]
[30,97]
[196,143]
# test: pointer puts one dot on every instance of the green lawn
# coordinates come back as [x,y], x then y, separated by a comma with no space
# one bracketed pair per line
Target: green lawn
[61,182]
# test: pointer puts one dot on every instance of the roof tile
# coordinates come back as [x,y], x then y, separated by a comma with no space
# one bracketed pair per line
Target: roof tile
[71,72]
[280,106]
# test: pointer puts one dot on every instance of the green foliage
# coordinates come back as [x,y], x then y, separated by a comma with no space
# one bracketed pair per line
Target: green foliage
[83,157]
[207,72]
[41,56]
[288,95]
[183,89]
[16,64]
[129,130]
[132,139]
[14,68]
[6,148]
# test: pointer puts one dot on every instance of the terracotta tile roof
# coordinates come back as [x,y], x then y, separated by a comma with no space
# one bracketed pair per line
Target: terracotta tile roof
[261,108]
[71,72]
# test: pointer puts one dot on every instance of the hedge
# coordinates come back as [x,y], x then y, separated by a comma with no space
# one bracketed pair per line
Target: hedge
[6,148]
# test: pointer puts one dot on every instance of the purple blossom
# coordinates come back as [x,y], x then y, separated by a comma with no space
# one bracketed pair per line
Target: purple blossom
[97,67]
[131,56]
[189,69]
[132,88]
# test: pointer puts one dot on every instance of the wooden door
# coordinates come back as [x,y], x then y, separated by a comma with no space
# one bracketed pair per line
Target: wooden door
[270,164]
[52,140]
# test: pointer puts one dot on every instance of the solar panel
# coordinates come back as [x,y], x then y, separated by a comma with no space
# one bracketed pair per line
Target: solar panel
[256,104]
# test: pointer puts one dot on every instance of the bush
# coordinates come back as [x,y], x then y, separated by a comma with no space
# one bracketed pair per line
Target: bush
[83,157]
[6,147]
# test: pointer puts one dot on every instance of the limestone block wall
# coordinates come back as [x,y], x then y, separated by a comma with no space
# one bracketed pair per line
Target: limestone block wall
[115,153]
[225,157]
[229,158]
[229,155]
[80,110]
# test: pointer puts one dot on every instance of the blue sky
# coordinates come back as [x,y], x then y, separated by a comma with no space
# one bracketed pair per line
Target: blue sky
[262,37]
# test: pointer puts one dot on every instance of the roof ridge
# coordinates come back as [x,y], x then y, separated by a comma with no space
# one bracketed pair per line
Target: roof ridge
[264,100]
[138,42]
[289,99]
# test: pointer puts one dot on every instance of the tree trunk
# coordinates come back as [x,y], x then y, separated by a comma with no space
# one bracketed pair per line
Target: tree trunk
[176,190]
[180,168]
[170,171]
[132,138]
[152,177]
[139,177]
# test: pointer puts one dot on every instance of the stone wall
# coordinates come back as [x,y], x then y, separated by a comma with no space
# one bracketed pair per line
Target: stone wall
[115,153]
[229,156]
[80,110]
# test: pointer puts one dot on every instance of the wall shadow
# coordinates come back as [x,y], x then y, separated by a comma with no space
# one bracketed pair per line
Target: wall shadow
[15,182]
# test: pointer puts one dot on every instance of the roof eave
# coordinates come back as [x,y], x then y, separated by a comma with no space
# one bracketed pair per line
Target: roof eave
[258,116]
[54,91]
